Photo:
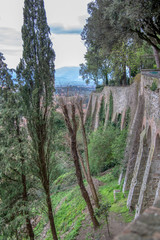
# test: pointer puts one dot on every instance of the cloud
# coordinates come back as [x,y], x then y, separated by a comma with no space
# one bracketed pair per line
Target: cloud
[11,52]
[59,29]
[10,37]
[82,19]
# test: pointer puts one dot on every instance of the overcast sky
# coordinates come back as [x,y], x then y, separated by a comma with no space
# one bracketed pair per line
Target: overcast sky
[66,19]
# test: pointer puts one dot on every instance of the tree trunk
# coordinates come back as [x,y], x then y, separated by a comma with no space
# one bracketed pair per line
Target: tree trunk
[156,56]
[90,181]
[45,179]
[80,182]
[106,79]
[29,229]
[50,215]
[124,75]
[45,183]
[89,178]
[28,222]
[72,128]
[130,73]
[24,184]
[82,164]
[17,238]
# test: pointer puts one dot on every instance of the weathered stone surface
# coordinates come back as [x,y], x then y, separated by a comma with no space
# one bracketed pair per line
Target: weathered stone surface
[123,98]
[145,227]
[142,156]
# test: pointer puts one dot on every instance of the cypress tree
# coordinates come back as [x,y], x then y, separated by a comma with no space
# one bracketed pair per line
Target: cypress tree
[36,72]
[14,184]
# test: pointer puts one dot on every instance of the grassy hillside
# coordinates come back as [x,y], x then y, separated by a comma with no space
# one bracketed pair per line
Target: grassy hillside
[70,208]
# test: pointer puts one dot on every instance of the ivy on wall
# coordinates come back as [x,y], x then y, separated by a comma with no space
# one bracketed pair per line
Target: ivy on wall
[110,107]
[88,125]
[102,112]
[119,118]
[127,118]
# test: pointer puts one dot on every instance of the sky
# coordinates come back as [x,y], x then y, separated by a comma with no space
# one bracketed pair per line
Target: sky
[66,19]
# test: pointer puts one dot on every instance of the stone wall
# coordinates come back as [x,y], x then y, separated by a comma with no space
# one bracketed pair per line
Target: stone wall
[142,157]
[123,98]
[145,227]
[145,173]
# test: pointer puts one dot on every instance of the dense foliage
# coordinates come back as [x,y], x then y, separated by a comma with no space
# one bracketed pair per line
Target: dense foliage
[117,35]
[36,75]
[15,175]
[106,148]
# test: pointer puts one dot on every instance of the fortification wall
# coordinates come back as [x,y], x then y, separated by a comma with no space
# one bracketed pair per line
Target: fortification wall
[144,227]
[142,157]
[123,98]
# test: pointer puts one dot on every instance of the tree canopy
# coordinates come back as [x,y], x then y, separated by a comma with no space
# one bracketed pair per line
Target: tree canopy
[15,181]
[114,24]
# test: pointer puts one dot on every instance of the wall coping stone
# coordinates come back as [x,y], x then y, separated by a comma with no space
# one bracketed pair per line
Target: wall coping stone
[151,72]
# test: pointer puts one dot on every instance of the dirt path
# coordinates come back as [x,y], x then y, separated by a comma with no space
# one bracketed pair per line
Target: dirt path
[116,225]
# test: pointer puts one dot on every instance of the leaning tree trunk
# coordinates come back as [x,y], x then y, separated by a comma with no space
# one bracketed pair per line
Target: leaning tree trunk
[156,56]
[89,178]
[80,182]
[28,222]
[45,183]
[45,178]
[124,75]
[73,131]
[82,164]
[50,213]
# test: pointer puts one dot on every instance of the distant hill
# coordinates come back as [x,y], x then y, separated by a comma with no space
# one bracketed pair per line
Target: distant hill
[69,76]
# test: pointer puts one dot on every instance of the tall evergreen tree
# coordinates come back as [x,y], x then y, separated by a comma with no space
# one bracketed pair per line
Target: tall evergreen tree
[36,71]
[14,184]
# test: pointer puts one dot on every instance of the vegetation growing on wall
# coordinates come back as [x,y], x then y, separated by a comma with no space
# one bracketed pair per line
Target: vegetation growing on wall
[106,148]
[154,86]
[110,107]
[99,88]
[88,124]
[102,112]
[127,118]
[118,122]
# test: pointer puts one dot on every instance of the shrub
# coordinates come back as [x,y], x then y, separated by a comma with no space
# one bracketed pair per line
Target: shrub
[118,146]
[102,112]
[154,86]
[99,149]
[110,106]
[99,88]
[106,148]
